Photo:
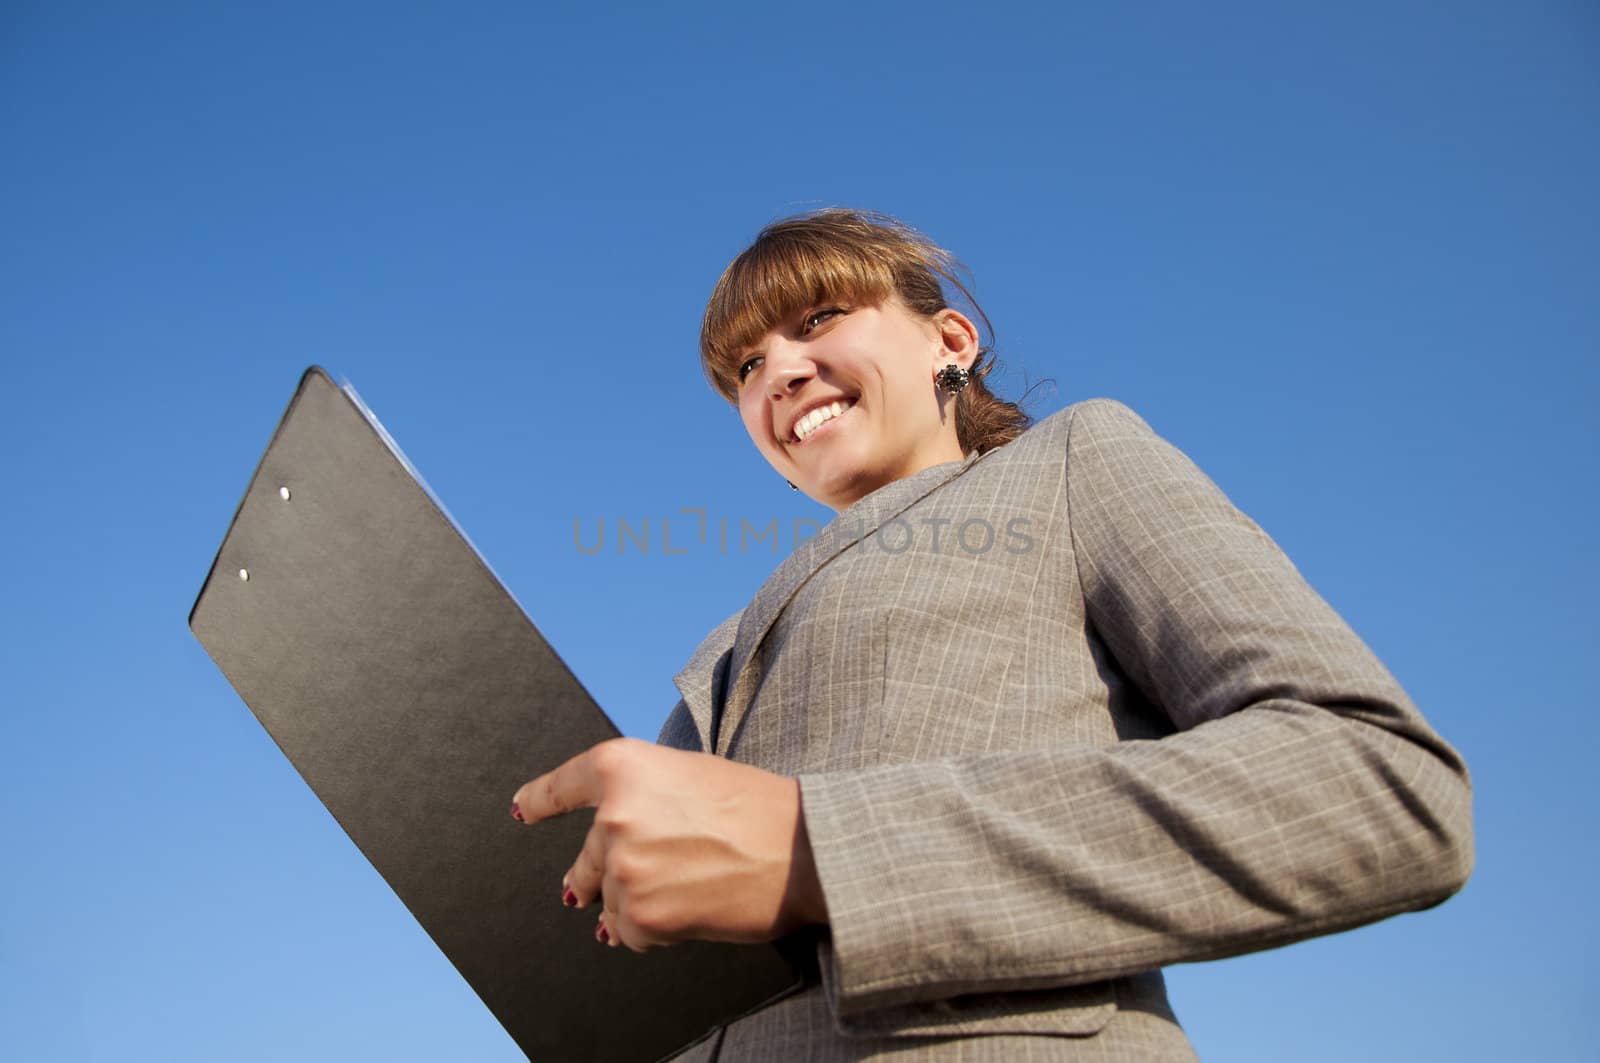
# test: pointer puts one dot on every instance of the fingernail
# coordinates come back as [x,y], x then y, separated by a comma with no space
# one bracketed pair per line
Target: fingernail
[601,935]
[516,812]
[569,898]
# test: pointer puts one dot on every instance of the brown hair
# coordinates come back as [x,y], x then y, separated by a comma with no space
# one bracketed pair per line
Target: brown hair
[801,262]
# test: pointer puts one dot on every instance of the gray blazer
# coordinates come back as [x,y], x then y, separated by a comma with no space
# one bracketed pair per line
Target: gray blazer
[1061,715]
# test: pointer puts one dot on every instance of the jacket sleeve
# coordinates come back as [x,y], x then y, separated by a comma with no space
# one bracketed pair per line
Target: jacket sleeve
[1301,793]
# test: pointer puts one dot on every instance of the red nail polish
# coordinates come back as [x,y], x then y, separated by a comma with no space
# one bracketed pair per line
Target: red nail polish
[601,935]
[569,898]
[516,812]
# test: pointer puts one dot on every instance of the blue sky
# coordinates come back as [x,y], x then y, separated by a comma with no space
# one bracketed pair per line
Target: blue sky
[1344,255]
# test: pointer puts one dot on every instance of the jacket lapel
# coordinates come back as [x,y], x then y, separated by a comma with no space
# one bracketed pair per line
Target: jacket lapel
[703,683]
[852,525]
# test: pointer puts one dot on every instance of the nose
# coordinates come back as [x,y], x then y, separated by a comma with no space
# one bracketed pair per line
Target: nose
[789,366]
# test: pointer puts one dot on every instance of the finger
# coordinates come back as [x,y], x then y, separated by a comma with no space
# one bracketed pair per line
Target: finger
[573,785]
[620,930]
[588,871]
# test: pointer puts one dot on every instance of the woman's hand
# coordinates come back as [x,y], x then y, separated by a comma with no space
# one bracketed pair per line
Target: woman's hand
[684,845]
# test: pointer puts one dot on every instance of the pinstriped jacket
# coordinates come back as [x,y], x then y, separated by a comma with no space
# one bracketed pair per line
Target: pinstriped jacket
[1061,715]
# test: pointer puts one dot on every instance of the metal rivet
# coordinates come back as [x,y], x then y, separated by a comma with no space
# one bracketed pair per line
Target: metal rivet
[244,575]
[283,493]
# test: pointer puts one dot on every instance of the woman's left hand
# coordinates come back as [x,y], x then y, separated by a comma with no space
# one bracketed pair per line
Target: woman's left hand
[684,845]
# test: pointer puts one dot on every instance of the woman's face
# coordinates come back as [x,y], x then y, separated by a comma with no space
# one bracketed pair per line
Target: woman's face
[841,399]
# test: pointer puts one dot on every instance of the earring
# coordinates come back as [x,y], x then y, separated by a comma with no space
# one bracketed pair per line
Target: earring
[952,378]
[792,487]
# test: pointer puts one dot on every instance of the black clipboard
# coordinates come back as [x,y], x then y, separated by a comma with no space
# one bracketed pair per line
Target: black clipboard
[414,696]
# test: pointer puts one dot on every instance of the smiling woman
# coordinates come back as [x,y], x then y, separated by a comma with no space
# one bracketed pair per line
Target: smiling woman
[994,790]
[861,294]
[827,398]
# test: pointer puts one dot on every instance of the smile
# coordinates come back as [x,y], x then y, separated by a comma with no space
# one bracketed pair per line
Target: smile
[817,418]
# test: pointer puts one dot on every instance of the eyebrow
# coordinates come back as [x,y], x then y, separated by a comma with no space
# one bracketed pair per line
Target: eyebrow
[741,355]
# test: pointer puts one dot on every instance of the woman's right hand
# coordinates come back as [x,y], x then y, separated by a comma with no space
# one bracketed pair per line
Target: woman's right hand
[684,845]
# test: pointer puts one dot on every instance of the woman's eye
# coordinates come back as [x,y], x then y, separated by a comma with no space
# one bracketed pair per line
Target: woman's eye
[817,317]
[747,367]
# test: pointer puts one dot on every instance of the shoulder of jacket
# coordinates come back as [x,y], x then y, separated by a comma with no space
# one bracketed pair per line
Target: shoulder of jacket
[1091,415]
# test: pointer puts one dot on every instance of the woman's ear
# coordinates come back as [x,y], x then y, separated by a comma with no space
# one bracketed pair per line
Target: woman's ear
[958,338]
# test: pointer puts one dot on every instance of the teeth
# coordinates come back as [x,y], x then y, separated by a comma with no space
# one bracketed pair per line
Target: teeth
[817,417]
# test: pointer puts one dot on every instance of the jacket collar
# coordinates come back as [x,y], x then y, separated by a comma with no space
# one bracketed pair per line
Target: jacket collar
[854,523]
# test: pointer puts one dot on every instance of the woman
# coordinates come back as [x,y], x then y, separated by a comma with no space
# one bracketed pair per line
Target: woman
[1038,713]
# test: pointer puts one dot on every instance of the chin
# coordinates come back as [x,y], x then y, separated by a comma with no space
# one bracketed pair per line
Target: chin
[844,491]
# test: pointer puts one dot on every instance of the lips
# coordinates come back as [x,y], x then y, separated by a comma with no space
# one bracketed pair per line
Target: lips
[815,415]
